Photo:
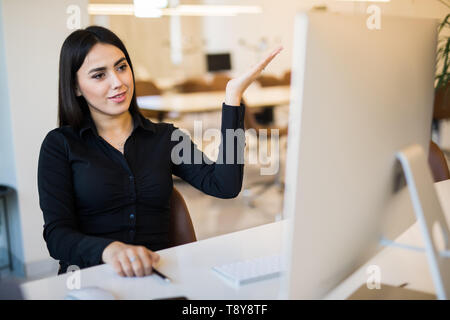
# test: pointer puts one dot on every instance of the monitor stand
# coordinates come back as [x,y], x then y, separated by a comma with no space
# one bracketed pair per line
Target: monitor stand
[388,292]
[429,216]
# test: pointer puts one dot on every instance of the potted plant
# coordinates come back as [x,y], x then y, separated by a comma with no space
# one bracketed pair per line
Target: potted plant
[442,93]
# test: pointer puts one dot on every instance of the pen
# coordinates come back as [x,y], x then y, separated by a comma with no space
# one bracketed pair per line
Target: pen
[165,278]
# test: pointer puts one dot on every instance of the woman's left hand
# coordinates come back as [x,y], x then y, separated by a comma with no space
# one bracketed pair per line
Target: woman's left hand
[237,86]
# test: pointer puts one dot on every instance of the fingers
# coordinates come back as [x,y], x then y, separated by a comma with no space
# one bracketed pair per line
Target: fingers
[125,263]
[135,261]
[260,67]
[146,260]
[118,267]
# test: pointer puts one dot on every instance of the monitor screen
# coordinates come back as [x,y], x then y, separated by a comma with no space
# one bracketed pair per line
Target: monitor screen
[218,62]
[344,132]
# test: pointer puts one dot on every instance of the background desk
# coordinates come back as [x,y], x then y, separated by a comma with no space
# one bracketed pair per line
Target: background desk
[189,266]
[212,101]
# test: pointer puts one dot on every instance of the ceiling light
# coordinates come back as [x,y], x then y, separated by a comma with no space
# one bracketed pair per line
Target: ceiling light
[149,8]
[142,8]
[110,9]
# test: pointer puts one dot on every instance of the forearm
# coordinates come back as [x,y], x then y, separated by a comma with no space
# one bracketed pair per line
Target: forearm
[73,247]
[225,178]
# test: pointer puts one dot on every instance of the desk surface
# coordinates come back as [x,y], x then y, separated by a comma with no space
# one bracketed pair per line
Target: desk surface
[211,101]
[190,265]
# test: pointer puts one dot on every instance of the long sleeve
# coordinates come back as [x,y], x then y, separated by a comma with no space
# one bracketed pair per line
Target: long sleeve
[56,196]
[223,178]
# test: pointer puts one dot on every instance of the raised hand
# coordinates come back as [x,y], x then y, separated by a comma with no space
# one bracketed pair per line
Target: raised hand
[237,86]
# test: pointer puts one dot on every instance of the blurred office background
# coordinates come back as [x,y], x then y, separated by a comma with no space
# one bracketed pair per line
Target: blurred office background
[169,55]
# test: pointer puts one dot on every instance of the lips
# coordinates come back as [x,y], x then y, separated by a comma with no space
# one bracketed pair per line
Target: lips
[119,98]
[119,95]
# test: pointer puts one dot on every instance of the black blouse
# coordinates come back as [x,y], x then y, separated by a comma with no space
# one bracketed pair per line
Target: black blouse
[91,194]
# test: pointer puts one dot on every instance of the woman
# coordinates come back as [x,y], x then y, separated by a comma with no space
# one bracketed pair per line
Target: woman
[105,174]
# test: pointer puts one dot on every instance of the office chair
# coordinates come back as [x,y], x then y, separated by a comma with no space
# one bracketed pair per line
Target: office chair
[148,88]
[181,229]
[250,122]
[438,163]
[266,113]
[219,82]
[192,85]
[441,110]
[268,81]
[286,80]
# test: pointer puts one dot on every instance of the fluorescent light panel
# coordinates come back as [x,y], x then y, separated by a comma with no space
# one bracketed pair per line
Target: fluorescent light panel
[364,0]
[181,10]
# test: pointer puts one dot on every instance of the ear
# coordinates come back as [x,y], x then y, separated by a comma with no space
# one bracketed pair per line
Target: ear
[78,92]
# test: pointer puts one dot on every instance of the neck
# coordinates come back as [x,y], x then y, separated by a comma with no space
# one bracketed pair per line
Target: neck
[112,125]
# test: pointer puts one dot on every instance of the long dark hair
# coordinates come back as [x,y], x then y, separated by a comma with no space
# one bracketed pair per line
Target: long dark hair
[71,109]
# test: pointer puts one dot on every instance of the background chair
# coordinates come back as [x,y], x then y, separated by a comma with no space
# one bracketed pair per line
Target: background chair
[286,80]
[265,115]
[148,88]
[181,229]
[438,163]
[268,81]
[250,122]
[192,85]
[219,82]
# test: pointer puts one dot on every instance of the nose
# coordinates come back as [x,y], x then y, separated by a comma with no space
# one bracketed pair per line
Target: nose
[116,82]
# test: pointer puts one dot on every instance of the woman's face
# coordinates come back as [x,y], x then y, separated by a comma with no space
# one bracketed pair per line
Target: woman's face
[105,80]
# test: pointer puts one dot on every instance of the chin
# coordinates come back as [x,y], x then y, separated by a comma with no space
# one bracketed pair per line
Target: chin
[114,110]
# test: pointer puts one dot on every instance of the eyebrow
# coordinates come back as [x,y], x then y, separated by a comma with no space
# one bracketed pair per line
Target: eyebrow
[104,68]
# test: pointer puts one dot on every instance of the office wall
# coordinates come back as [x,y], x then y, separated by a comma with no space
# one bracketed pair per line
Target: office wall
[32,33]
[276,24]
[148,42]
[7,164]
[245,36]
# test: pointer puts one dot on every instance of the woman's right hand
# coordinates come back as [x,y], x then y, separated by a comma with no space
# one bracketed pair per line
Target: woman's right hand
[129,260]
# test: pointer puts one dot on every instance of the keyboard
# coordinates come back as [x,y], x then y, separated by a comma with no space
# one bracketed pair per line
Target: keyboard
[247,271]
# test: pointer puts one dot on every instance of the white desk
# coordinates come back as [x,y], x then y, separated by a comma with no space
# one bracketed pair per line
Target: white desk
[212,101]
[189,266]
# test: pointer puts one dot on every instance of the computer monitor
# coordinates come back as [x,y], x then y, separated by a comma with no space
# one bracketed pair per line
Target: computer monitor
[357,97]
[218,62]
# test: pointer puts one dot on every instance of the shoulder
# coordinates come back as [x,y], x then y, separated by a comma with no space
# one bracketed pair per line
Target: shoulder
[59,137]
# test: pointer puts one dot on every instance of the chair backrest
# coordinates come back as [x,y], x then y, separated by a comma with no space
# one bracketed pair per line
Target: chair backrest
[193,85]
[219,82]
[250,122]
[268,81]
[146,88]
[438,163]
[181,229]
[442,103]
[286,80]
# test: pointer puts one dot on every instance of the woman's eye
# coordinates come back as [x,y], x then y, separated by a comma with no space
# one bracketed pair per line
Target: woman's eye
[98,76]
[122,67]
